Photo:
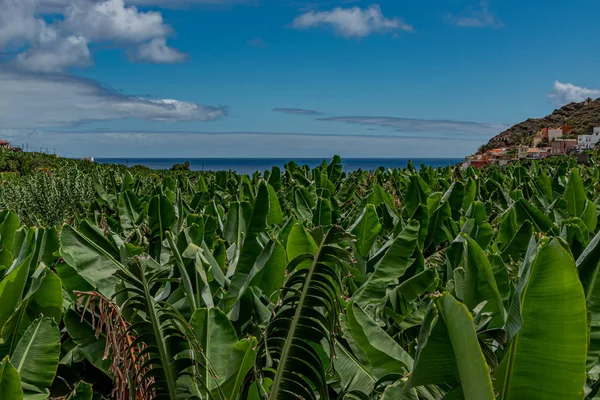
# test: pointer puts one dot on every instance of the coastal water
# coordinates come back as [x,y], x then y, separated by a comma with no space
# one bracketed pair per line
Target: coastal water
[250,165]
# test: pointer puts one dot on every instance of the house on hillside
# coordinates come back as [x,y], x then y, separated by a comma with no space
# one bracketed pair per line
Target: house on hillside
[493,153]
[563,146]
[522,151]
[4,144]
[555,133]
[545,152]
[533,153]
[536,153]
[587,142]
[479,163]
[476,161]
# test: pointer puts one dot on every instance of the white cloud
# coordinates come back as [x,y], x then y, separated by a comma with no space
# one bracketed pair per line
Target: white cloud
[51,6]
[112,20]
[181,3]
[477,17]
[53,45]
[352,22]
[157,51]
[424,125]
[55,54]
[565,93]
[48,100]
[18,23]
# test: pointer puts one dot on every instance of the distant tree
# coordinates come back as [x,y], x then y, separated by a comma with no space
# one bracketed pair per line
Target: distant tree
[181,167]
[140,167]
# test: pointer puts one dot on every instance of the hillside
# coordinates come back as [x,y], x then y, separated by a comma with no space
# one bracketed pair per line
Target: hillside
[582,116]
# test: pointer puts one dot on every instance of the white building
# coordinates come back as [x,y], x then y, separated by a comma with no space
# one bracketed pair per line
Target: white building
[555,134]
[585,142]
[522,151]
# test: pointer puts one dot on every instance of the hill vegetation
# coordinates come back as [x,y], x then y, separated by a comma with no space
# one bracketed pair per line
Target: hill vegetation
[583,117]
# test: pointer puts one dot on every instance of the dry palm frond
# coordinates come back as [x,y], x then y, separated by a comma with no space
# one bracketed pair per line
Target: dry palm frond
[437,259]
[125,362]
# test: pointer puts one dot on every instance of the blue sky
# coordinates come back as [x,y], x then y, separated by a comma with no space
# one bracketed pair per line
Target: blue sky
[287,78]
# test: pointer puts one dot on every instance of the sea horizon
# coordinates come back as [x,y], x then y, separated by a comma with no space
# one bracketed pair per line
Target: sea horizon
[248,165]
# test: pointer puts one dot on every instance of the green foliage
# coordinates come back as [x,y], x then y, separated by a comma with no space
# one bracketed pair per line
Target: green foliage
[299,283]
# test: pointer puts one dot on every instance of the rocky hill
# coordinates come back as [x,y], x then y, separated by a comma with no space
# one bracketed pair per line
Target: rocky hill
[583,117]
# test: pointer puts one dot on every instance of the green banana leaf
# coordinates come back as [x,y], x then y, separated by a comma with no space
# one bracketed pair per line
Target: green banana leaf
[83,391]
[275,215]
[322,216]
[399,391]
[392,265]
[44,298]
[84,335]
[131,211]
[382,352]
[11,290]
[416,194]
[354,374]
[477,225]
[92,256]
[588,266]
[366,229]
[216,337]
[547,356]
[241,360]
[300,242]
[575,194]
[9,223]
[10,382]
[448,351]
[589,215]
[480,282]
[161,217]
[526,212]
[37,353]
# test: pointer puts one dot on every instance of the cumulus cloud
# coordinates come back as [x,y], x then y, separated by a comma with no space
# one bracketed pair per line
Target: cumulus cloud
[157,51]
[352,22]
[297,111]
[112,20]
[17,22]
[565,93]
[424,125]
[30,100]
[53,45]
[477,17]
[55,54]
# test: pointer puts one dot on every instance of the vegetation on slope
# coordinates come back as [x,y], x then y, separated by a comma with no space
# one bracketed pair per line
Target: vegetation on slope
[583,117]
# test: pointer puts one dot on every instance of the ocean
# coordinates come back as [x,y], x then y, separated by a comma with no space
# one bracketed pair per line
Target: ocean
[250,165]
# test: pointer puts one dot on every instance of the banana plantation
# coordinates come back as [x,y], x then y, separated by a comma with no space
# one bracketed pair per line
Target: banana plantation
[414,283]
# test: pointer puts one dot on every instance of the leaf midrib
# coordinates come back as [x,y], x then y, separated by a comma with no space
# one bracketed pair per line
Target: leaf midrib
[26,352]
[290,336]
[513,347]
